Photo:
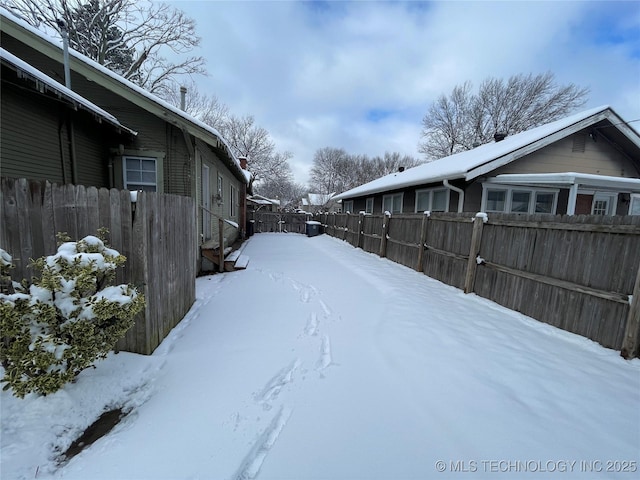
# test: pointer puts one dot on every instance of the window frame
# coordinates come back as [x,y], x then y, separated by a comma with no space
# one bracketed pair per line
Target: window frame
[393,197]
[127,182]
[612,203]
[508,200]
[634,199]
[431,192]
[346,204]
[368,205]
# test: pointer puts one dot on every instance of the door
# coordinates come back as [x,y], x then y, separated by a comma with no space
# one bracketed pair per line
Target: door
[206,203]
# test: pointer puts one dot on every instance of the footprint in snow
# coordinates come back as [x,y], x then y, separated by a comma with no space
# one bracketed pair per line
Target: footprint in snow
[312,325]
[274,386]
[325,359]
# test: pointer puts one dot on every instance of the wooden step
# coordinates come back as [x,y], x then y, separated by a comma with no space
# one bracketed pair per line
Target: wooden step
[241,262]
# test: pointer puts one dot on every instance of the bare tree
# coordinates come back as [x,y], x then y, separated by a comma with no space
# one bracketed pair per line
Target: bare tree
[331,171]
[334,170]
[253,142]
[283,188]
[462,120]
[206,108]
[126,36]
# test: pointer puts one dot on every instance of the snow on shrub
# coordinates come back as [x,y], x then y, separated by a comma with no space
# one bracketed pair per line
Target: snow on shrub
[64,321]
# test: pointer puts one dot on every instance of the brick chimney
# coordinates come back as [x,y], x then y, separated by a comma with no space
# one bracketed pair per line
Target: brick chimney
[243,162]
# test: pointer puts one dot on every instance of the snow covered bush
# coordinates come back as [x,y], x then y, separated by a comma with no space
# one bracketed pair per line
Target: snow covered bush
[64,321]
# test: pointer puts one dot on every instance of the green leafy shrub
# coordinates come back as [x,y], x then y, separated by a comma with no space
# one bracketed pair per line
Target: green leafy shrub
[66,319]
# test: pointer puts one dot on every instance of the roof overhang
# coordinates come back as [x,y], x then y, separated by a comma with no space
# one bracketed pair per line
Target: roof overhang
[102,76]
[44,82]
[569,179]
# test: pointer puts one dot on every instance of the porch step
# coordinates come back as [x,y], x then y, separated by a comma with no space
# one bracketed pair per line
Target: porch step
[236,261]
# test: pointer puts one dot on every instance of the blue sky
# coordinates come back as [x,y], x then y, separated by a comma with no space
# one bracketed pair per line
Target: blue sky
[361,75]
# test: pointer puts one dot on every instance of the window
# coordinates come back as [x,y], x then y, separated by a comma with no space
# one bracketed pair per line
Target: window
[496,200]
[392,203]
[544,202]
[369,205]
[233,196]
[432,200]
[219,192]
[519,200]
[604,204]
[140,174]
[348,206]
[634,206]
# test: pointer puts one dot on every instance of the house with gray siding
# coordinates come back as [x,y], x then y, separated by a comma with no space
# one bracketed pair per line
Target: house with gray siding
[136,141]
[587,163]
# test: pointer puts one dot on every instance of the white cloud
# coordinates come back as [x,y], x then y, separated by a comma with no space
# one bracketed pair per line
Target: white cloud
[312,73]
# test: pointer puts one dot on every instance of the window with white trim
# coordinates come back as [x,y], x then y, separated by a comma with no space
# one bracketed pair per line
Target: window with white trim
[392,203]
[519,200]
[369,205]
[347,206]
[432,200]
[604,204]
[140,173]
[634,206]
[495,200]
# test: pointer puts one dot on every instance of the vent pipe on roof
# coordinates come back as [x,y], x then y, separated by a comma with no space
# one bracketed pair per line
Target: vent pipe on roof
[400,169]
[183,98]
[65,52]
[499,136]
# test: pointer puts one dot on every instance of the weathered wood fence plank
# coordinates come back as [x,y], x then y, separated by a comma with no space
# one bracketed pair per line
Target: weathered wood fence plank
[157,235]
[574,272]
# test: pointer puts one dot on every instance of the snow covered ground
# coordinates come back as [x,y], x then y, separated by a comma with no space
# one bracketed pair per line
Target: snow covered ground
[320,361]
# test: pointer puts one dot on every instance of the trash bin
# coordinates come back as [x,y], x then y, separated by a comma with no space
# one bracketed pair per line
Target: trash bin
[313,228]
[250,227]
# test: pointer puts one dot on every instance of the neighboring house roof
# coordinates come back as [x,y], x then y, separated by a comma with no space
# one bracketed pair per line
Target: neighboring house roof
[48,83]
[481,160]
[116,83]
[260,200]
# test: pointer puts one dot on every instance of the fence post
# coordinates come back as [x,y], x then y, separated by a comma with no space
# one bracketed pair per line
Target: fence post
[221,245]
[360,229]
[423,239]
[386,218]
[346,226]
[472,264]
[631,331]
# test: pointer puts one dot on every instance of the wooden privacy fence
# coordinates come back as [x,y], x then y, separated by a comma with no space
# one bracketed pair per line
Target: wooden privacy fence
[579,273]
[279,222]
[157,234]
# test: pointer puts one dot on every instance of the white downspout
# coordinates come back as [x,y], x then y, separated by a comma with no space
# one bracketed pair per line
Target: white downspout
[460,194]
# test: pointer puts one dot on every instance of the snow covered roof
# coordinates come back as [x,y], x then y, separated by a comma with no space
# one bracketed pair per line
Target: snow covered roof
[259,199]
[144,98]
[486,158]
[76,100]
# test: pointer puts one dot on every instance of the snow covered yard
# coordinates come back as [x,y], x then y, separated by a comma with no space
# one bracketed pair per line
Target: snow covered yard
[320,361]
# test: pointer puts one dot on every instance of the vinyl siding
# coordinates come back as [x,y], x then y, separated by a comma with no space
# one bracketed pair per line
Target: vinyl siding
[29,137]
[598,158]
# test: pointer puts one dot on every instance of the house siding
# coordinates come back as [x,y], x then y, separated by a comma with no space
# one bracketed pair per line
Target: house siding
[598,158]
[29,134]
